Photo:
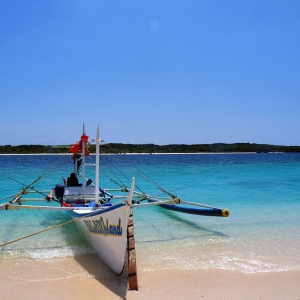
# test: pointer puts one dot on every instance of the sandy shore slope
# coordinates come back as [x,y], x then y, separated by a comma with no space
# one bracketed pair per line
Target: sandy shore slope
[86,277]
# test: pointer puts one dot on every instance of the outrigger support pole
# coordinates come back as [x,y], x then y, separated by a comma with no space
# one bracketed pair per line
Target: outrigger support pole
[132,269]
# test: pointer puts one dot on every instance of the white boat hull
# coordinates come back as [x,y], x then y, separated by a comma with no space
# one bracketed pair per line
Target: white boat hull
[106,231]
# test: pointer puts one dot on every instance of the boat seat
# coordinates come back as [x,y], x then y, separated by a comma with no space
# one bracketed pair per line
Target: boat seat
[77,190]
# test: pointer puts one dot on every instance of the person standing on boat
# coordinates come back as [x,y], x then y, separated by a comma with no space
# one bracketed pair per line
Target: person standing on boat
[72,180]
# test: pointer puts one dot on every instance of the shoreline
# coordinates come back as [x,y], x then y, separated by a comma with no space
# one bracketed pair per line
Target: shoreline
[198,153]
[87,277]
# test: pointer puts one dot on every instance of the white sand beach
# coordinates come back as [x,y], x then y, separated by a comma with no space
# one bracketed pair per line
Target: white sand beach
[87,277]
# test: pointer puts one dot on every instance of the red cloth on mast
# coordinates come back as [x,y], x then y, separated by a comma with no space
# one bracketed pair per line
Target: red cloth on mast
[78,146]
[75,148]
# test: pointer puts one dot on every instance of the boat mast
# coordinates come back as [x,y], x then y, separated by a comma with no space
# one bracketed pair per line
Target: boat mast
[97,166]
[83,140]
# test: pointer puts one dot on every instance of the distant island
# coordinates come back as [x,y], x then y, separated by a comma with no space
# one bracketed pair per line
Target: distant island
[152,148]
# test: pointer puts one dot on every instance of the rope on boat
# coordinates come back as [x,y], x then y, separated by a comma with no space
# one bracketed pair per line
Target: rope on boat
[50,170]
[13,195]
[145,177]
[123,185]
[21,191]
[57,167]
[12,179]
[47,229]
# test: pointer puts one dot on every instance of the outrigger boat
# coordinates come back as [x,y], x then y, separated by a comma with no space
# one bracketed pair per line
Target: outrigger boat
[105,219]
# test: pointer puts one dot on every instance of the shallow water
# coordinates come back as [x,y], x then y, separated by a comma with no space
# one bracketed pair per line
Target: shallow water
[260,190]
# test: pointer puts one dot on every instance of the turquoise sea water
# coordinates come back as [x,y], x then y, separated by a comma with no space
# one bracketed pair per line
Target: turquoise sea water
[262,192]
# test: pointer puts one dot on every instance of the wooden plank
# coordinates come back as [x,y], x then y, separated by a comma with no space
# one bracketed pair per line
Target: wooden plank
[133,284]
[130,221]
[132,260]
[131,243]
[132,269]
[130,231]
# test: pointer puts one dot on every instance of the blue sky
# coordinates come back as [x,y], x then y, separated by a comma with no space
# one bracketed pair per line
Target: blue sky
[163,72]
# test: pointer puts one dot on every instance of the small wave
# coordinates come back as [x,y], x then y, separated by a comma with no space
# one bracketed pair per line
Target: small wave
[49,253]
[245,265]
[171,262]
[60,252]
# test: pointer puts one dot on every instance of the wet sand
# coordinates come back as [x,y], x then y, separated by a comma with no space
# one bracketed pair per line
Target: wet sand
[87,277]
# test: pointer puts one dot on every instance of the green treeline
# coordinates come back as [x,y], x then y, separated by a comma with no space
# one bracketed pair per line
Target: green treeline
[151,148]
[33,149]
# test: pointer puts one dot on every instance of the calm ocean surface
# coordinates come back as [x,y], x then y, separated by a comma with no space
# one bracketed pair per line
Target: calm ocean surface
[262,192]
